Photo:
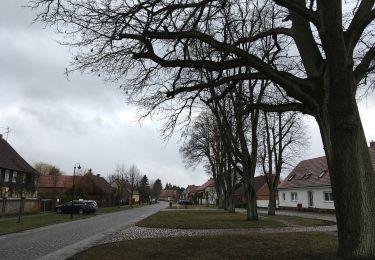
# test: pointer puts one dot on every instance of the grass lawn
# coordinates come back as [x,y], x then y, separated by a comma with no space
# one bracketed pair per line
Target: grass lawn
[9,224]
[239,246]
[202,219]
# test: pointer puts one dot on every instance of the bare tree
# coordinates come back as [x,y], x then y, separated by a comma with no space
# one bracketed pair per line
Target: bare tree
[158,42]
[133,177]
[203,145]
[282,139]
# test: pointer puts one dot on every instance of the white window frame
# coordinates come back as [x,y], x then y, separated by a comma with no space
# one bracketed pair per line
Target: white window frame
[6,176]
[330,196]
[14,177]
[293,196]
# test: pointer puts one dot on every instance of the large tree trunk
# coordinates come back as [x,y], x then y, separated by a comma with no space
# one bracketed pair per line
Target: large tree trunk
[252,212]
[272,202]
[351,173]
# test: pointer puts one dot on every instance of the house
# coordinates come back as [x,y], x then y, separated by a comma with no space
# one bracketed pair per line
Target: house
[190,192]
[122,192]
[168,195]
[206,193]
[88,186]
[94,187]
[16,175]
[263,196]
[308,185]
[50,186]
[240,195]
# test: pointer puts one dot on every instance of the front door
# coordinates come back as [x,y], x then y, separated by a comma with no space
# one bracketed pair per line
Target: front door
[310,198]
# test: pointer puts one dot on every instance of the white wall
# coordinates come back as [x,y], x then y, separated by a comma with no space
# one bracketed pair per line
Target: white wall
[264,203]
[302,197]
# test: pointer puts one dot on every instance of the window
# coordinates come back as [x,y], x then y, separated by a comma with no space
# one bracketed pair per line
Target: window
[303,176]
[328,197]
[322,173]
[14,177]
[308,175]
[291,177]
[293,196]
[24,178]
[6,176]
[283,195]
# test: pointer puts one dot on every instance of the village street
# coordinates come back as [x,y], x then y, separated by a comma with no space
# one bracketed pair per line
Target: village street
[63,240]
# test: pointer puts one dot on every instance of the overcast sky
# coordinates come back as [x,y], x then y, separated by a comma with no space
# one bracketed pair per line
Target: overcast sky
[83,119]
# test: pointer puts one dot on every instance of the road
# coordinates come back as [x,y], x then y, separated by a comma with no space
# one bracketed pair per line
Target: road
[60,241]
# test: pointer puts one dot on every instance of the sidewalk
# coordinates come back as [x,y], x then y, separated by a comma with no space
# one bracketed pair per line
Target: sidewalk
[314,215]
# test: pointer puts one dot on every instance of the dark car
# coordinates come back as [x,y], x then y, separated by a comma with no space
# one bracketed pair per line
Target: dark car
[79,206]
[185,202]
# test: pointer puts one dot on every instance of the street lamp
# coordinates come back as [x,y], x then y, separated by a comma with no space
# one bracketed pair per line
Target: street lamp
[74,176]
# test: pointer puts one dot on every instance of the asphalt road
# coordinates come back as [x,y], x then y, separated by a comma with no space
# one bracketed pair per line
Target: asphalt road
[63,240]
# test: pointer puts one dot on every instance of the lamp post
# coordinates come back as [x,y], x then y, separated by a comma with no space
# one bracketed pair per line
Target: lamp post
[74,176]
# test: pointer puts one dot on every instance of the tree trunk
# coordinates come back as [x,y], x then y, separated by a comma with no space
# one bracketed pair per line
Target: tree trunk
[231,208]
[252,212]
[272,202]
[351,172]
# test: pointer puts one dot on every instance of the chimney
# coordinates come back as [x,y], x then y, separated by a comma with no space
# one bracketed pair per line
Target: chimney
[1,136]
[90,171]
[98,175]
[372,144]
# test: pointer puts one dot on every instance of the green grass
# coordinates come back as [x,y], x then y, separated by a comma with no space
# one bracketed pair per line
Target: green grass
[299,221]
[200,219]
[238,246]
[30,221]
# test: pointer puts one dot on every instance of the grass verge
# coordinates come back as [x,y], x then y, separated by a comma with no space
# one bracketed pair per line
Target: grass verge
[236,246]
[209,219]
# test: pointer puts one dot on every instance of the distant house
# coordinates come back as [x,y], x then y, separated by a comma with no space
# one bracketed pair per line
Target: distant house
[263,196]
[308,185]
[190,192]
[94,187]
[88,186]
[15,173]
[168,195]
[206,193]
[240,195]
[53,186]
[121,192]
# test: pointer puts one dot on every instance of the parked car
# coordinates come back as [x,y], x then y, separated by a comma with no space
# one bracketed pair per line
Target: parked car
[79,206]
[185,202]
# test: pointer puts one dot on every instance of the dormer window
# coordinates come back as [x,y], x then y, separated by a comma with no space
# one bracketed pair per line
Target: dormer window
[303,176]
[322,173]
[291,177]
[308,175]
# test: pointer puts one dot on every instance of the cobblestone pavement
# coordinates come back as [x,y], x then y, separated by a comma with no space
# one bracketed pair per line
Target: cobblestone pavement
[63,240]
[135,232]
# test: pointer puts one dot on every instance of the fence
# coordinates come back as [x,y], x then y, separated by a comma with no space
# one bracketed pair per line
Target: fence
[11,206]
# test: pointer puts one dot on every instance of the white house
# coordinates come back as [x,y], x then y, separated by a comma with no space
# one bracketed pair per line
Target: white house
[308,185]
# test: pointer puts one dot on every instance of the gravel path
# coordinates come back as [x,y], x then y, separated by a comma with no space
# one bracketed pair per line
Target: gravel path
[135,232]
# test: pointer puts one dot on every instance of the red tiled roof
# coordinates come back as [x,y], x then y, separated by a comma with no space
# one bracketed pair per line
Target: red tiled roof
[259,181]
[209,183]
[62,181]
[309,173]
[263,193]
[10,159]
[191,188]
[168,193]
